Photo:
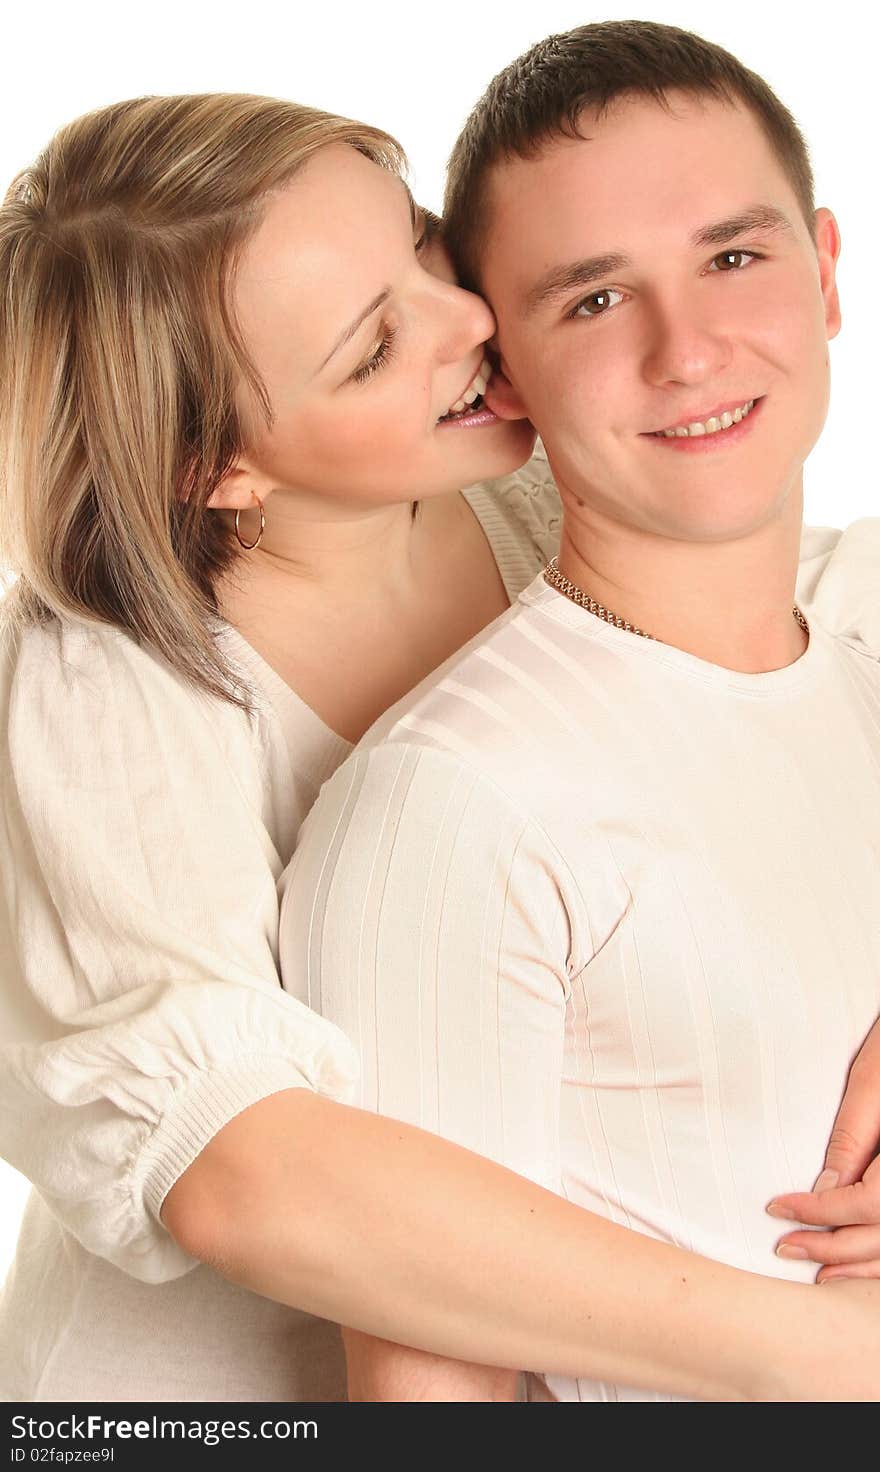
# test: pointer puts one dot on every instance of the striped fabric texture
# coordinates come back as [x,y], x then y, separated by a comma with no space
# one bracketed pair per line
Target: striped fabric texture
[611,915]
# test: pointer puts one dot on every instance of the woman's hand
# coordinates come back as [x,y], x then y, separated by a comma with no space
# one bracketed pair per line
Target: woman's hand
[846,1198]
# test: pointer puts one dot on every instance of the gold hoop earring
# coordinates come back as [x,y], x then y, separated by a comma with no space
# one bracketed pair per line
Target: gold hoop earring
[249,546]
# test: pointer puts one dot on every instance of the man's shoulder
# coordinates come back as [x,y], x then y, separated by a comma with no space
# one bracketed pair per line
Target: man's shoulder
[474,697]
[839,581]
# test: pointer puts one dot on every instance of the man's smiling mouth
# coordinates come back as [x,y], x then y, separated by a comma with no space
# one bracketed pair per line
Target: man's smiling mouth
[713,424]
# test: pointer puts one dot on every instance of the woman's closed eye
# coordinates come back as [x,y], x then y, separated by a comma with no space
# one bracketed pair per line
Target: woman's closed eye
[382,353]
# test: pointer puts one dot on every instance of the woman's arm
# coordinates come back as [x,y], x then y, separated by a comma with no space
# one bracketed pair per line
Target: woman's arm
[140,1002]
[405,1236]
[381,1371]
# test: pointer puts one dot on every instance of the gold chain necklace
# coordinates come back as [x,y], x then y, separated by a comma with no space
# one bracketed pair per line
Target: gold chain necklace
[558,580]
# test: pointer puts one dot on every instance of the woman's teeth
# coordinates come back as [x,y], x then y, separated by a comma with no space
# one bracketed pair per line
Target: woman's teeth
[475,388]
[711,426]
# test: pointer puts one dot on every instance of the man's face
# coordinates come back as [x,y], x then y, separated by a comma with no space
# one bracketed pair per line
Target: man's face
[656,275]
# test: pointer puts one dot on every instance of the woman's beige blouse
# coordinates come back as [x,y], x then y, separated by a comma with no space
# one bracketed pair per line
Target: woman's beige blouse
[144,829]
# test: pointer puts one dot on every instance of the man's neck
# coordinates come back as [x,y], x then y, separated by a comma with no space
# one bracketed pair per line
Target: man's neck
[727,602]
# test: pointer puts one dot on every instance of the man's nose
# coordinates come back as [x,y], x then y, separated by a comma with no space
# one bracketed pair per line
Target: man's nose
[684,345]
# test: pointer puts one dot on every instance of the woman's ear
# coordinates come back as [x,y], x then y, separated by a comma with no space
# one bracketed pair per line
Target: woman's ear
[501,396]
[237,489]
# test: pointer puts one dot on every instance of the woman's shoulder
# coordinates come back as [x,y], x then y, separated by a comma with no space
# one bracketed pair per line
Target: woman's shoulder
[839,580]
[79,655]
[94,682]
[66,653]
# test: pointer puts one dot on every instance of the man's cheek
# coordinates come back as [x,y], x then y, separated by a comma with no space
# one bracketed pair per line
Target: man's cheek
[790,328]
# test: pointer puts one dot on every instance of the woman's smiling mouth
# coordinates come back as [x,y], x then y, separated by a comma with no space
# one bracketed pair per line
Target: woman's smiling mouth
[474,391]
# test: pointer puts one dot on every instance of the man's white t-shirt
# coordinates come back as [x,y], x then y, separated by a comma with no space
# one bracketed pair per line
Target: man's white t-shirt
[610,914]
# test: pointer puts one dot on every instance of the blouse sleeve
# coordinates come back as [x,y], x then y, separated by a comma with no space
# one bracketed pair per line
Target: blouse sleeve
[839,581]
[423,915]
[141,1004]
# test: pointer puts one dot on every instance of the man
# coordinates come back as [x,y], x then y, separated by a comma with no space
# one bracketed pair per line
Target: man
[600,899]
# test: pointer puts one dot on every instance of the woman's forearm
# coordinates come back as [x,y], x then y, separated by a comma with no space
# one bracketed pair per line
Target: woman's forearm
[379,1370]
[404,1236]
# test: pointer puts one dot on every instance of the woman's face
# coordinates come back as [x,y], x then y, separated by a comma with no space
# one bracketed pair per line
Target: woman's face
[364,343]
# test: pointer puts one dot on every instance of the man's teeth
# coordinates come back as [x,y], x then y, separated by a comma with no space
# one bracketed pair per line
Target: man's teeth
[711,426]
[476,387]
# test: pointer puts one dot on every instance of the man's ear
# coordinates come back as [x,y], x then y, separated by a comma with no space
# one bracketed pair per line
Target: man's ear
[827,237]
[501,396]
[238,487]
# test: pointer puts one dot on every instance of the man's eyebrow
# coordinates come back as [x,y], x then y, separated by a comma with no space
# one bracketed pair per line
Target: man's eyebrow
[359,321]
[580,274]
[763,217]
[563,279]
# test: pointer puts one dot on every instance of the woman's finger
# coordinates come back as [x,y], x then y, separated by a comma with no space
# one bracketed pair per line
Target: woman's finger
[855,1136]
[853,1270]
[844,1206]
[846,1245]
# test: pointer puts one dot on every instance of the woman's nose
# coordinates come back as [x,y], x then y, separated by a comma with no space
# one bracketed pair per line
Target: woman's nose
[465,321]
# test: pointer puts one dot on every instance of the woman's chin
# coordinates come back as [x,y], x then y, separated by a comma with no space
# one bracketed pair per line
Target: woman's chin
[498,449]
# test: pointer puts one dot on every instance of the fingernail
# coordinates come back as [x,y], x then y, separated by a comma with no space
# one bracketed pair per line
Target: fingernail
[827,1180]
[786,1250]
[784,1211]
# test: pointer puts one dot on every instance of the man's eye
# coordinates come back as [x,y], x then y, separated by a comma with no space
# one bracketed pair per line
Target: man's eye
[597,303]
[732,260]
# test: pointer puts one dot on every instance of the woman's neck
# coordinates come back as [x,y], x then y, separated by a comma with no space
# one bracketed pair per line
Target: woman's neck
[353,615]
[319,554]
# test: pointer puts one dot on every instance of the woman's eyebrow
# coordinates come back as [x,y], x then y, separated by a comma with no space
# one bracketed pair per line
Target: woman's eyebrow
[359,320]
[377,302]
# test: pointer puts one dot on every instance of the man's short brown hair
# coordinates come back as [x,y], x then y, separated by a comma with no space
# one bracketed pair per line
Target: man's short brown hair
[542,95]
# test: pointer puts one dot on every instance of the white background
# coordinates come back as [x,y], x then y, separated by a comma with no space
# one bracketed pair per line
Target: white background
[416,69]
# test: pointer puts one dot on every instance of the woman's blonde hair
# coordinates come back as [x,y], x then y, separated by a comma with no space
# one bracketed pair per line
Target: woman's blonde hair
[120,360]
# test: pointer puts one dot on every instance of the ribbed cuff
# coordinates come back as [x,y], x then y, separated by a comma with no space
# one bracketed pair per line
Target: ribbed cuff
[208,1103]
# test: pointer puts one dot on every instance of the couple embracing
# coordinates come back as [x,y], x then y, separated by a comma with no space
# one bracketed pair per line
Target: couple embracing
[595,895]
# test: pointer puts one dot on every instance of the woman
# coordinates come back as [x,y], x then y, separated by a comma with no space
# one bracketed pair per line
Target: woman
[230,442]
